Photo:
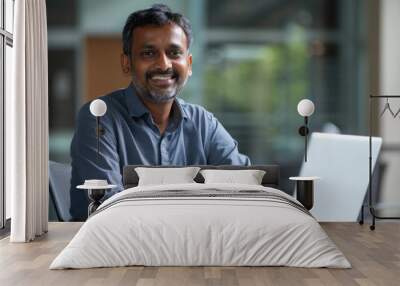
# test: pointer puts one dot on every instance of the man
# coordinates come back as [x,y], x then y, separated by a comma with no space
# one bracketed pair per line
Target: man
[145,123]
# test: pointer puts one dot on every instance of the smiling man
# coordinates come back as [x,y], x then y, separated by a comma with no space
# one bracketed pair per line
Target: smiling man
[146,123]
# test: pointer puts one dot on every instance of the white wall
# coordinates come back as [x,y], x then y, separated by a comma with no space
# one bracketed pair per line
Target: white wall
[390,84]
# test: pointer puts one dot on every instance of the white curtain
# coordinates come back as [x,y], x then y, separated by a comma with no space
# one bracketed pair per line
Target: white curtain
[27,124]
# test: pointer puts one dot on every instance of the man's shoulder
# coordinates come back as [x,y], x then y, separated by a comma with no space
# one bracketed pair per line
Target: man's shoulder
[113,101]
[113,98]
[195,111]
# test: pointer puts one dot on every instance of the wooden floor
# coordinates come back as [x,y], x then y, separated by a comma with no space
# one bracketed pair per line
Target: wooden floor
[374,255]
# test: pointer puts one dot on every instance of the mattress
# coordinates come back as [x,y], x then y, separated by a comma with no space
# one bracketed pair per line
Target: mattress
[201,225]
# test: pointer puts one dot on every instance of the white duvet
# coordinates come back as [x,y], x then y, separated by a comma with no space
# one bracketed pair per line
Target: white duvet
[185,231]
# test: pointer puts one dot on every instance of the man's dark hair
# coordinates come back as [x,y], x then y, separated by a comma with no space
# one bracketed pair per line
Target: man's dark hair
[158,15]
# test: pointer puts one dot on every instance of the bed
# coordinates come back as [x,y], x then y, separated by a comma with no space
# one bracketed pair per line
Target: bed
[201,224]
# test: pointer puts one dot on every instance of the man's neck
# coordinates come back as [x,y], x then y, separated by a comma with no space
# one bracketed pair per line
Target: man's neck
[160,112]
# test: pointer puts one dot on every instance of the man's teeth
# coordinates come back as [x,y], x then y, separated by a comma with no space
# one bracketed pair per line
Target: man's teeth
[162,77]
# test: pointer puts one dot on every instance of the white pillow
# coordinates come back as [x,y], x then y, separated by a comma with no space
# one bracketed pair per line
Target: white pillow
[248,177]
[163,176]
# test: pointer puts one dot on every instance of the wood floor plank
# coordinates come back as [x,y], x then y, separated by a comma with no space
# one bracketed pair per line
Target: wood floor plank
[374,255]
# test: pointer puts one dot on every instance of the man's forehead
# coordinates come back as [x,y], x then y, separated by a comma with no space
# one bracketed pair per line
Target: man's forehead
[152,35]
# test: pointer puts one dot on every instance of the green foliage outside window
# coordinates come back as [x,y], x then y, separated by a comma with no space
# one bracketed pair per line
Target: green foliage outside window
[261,93]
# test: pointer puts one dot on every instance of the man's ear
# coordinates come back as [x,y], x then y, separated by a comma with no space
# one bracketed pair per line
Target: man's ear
[190,60]
[125,64]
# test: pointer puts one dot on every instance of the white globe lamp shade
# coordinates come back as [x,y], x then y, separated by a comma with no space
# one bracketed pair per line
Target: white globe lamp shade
[305,107]
[98,107]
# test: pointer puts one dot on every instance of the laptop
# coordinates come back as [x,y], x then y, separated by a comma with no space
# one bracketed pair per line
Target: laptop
[341,161]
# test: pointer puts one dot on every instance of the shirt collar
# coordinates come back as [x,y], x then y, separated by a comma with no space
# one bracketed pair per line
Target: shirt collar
[178,104]
[136,107]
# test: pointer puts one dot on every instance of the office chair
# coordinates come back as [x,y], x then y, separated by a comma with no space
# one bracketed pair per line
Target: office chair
[59,185]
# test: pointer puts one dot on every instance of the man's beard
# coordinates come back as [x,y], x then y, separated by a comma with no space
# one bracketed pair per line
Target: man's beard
[159,96]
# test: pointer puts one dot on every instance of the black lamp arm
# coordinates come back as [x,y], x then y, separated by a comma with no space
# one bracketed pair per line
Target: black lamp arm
[303,131]
[99,132]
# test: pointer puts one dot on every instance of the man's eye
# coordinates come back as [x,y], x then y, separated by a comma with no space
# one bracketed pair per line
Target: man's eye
[148,53]
[175,53]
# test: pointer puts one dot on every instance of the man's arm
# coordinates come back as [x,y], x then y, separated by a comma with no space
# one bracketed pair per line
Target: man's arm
[85,162]
[221,148]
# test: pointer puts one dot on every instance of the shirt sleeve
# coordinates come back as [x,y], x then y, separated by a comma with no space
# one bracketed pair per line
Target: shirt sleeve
[222,149]
[86,164]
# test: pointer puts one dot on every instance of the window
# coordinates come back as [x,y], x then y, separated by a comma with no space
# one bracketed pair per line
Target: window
[6,44]
[261,59]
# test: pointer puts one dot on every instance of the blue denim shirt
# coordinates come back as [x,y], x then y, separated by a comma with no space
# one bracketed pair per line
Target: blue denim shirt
[193,137]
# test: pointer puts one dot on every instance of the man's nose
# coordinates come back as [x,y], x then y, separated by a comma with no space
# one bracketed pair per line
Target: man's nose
[163,62]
